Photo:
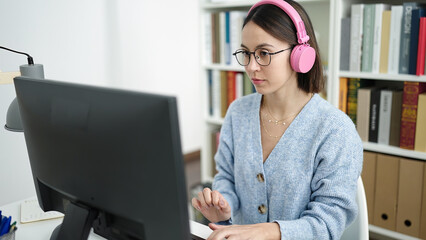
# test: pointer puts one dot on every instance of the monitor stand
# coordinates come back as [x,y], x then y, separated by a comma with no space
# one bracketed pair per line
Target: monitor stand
[76,225]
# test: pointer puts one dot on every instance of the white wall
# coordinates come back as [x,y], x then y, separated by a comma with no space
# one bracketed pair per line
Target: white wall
[131,44]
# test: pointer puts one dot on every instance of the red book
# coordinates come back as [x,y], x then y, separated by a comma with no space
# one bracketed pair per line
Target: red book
[410,99]
[420,68]
[232,94]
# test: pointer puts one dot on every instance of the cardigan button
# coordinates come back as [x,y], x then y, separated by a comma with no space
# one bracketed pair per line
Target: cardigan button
[262,209]
[260,177]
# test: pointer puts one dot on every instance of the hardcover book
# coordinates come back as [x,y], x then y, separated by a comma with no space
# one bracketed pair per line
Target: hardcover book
[345,34]
[404,51]
[409,113]
[394,39]
[357,15]
[420,138]
[378,15]
[384,46]
[414,38]
[368,38]
[374,115]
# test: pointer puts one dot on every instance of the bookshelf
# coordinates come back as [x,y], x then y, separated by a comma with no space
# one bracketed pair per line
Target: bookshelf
[326,16]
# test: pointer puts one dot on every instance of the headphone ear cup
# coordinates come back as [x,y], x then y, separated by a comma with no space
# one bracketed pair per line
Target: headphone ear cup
[302,58]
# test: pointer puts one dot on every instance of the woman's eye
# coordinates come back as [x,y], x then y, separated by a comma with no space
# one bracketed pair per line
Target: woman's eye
[246,53]
[263,53]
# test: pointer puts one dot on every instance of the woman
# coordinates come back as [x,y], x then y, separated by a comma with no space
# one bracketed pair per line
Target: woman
[288,161]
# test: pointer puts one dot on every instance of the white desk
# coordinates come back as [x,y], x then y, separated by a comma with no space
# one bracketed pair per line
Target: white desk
[42,230]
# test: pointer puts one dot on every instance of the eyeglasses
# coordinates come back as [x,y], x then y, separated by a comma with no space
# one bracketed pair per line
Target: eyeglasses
[261,55]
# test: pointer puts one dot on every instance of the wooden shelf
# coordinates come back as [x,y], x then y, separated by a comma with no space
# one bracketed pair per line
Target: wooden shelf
[389,233]
[392,150]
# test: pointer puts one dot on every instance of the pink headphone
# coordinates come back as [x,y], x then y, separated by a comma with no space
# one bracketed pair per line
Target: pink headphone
[302,57]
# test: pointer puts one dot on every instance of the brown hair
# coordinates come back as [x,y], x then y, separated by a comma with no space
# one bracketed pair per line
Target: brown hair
[276,22]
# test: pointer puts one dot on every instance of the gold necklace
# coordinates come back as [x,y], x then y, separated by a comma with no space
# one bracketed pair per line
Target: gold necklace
[267,132]
[276,121]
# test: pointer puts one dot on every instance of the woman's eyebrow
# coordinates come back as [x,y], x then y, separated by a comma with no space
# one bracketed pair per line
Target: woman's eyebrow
[258,46]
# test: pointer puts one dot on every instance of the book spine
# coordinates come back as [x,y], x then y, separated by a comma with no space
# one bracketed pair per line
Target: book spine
[395,124]
[345,44]
[374,115]
[222,39]
[223,93]
[210,86]
[420,139]
[378,17]
[420,68]
[409,113]
[239,83]
[363,113]
[414,38]
[227,39]
[208,37]
[343,94]
[394,40]
[231,87]
[368,38]
[404,50]
[353,85]
[384,45]
[357,12]
[216,104]
[385,117]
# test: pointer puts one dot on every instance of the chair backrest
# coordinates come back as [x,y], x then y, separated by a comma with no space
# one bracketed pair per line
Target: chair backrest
[359,228]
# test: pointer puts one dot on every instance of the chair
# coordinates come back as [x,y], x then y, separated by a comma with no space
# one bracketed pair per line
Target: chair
[359,228]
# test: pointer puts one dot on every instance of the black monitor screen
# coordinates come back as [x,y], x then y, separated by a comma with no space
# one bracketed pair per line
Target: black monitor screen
[107,158]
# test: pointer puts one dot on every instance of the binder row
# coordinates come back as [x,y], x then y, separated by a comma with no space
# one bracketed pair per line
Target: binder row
[395,189]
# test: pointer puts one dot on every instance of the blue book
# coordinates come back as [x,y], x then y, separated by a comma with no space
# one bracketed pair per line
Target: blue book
[228,53]
[404,50]
[416,14]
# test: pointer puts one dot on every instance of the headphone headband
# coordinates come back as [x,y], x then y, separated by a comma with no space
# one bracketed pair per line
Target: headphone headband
[302,37]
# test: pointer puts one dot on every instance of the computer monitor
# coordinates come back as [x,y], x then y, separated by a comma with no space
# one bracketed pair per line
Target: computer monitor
[107,158]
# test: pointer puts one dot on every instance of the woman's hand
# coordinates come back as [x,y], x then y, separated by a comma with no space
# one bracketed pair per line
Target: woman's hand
[245,232]
[212,205]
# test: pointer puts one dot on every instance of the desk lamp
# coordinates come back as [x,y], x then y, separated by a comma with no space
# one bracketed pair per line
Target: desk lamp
[13,117]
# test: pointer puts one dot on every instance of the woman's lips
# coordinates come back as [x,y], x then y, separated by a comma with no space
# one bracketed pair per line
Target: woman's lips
[257,81]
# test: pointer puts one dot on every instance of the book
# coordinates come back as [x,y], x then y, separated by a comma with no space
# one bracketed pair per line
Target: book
[390,115]
[227,39]
[357,12]
[404,49]
[421,47]
[345,34]
[343,94]
[409,113]
[215,38]
[420,138]
[210,86]
[223,93]
[353,85]
[208,41]
[384,45]
[239,84]
[378,15]
[374,115]
[414,38]
[368,38]
[216,97]
[395,124]
[394,39]
[222,37]
[363,112]
[231,81]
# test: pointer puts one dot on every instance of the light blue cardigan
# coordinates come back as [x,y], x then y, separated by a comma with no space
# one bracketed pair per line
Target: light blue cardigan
[310,176]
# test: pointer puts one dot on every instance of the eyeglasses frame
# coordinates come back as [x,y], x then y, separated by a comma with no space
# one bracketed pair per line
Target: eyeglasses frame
[253,53]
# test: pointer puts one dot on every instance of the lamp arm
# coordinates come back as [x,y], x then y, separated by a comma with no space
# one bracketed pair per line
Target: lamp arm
[29,58]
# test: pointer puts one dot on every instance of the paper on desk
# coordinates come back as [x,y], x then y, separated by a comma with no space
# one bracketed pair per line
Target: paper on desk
[31,212]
